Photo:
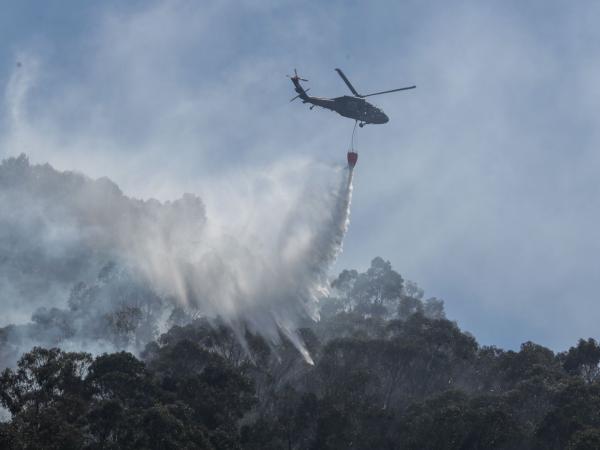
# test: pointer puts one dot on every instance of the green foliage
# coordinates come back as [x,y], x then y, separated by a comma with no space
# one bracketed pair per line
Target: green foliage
[375,292]
[46,396]
[575,409]
[69,400]
[588,439]
[454,421]
[390,372]
[583,360]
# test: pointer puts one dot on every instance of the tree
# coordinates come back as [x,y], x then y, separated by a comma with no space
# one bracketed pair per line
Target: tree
[453,421]
[375,292]
[588,439]
[574,410]
[378,290]
[45,377]
[121,376]
[46,396]
[411,381]
[583,360]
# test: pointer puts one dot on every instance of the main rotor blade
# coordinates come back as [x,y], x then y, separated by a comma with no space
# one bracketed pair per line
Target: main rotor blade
[387,92]
[341,74]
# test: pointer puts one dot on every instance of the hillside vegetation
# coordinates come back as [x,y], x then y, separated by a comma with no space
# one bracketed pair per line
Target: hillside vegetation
[391,372]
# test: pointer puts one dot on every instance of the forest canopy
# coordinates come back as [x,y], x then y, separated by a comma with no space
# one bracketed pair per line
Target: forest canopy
[390,372]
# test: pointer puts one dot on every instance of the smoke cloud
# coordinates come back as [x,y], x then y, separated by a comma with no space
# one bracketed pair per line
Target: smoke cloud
[96,270]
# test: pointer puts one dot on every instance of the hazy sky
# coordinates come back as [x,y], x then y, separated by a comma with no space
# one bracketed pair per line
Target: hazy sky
[483,186]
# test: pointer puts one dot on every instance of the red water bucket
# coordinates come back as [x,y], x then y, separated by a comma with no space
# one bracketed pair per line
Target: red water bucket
[352,158]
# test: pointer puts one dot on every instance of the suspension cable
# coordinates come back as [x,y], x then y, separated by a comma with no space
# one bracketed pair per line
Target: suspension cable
[352,140]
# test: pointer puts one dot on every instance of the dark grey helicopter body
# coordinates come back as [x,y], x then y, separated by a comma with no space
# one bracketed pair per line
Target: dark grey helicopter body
[354,107]
[351,107]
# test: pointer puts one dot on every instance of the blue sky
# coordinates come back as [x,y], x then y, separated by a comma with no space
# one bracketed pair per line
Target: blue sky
[483,186]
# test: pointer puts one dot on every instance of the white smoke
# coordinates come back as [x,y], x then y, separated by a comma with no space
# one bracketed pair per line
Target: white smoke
[258,258]
[262,268]
[271,274]
[265,271]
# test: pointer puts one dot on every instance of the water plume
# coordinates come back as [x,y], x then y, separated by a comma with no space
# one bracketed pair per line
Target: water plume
[258,260]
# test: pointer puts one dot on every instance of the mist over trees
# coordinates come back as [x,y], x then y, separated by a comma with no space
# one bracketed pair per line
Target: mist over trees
[87,268]
[98,356]
[58,229]
[116,311]
[391,372]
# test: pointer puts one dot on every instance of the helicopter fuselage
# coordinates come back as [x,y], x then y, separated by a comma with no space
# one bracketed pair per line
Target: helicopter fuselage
[351,107]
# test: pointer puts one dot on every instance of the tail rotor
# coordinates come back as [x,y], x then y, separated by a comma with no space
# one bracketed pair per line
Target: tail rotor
[296,77]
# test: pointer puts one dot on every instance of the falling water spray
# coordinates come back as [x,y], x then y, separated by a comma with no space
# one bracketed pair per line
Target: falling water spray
[260,266]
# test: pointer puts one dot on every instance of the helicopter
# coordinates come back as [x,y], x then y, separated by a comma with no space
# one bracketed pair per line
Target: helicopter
[354,107]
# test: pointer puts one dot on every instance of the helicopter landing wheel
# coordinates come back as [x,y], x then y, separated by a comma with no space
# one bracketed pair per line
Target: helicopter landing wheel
[361,124]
